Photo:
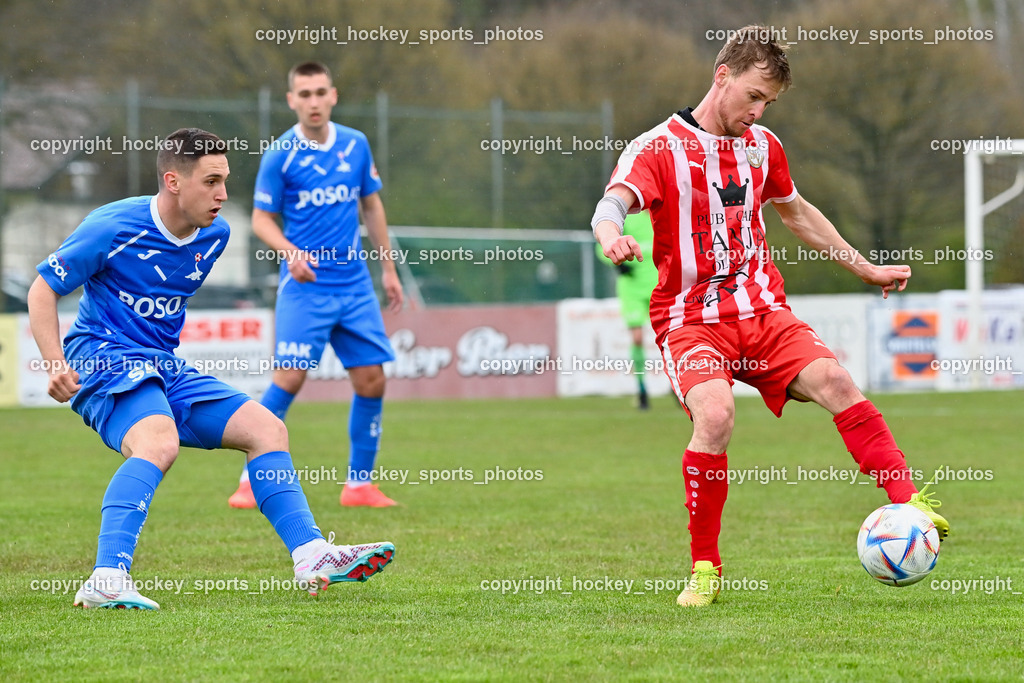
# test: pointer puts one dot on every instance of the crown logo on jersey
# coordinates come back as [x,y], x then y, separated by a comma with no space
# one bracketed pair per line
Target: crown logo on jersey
[732,194]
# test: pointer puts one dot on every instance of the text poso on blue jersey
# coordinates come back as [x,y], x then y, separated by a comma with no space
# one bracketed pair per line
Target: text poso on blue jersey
[316,188]
[140,300]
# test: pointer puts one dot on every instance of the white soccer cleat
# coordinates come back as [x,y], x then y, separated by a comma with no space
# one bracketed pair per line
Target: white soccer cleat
[337,563]
[113,589]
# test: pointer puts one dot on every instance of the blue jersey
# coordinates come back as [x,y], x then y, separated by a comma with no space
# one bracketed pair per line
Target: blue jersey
[138,277]
[316,189]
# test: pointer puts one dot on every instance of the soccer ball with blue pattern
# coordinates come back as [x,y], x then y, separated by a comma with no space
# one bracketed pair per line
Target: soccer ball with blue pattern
[898,545]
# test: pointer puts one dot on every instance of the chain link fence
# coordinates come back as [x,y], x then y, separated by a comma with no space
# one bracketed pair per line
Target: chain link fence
[488,168]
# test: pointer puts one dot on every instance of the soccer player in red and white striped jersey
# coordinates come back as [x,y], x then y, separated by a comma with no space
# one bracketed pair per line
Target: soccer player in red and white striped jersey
[719,311]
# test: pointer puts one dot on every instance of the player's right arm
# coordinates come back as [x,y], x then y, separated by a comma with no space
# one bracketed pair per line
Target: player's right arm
[268,205]
[608,231]
[45,325]
[300,264]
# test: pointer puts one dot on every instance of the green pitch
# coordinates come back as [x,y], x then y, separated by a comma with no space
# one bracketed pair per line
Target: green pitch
[566,569]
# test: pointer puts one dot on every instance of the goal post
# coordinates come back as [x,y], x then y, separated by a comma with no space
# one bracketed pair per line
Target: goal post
[975,210]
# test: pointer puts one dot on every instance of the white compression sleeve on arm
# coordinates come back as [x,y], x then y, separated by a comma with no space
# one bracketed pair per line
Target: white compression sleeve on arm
[610,208]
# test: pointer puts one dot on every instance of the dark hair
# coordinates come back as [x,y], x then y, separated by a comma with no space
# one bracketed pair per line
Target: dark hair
[182,149]
[756,46]
[307,69]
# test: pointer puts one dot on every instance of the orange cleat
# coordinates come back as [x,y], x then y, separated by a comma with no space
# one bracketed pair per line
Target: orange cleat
[367,495]
[243,498]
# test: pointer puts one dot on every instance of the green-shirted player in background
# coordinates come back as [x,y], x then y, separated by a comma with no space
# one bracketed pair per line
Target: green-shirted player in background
[633,286]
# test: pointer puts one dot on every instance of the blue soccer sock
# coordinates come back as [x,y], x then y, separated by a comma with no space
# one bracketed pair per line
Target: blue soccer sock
[281,500]
[364,434]
[277,400]
[124,511]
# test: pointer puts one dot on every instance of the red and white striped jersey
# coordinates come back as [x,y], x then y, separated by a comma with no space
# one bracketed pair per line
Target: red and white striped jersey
[705,193]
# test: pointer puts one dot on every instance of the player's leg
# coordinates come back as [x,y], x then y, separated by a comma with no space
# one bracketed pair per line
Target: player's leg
[277,399]
[634,304]
[264,439]
[636,354]
[865,433]
[362,345]
[284,385]
[302,323]
[140,422]
[694,360]
[364,430]
[788,360]
[706,477]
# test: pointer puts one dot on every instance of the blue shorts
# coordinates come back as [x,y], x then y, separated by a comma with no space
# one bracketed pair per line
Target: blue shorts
[122,385]
[308,316]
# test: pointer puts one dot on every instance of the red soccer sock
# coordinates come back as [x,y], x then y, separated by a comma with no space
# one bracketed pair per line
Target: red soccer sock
[707,485]
[873,447]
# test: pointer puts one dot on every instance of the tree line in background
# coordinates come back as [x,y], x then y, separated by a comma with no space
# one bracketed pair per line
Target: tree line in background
[857,125]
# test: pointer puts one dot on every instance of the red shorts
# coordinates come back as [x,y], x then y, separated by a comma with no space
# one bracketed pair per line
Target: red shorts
[767,352]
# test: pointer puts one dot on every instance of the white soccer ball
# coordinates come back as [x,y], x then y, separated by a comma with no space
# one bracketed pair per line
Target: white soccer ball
[898,545]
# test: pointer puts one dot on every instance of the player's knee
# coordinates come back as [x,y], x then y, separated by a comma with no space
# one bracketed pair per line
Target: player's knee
[839,387]
[161,450]
[290,380]
[713,421]
[369,382]
[270,434]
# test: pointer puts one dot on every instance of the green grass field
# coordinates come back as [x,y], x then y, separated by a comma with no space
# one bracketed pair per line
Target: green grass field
[608,508]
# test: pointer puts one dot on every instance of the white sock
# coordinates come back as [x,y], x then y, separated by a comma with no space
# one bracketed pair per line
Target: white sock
[355,484]
[108,579]
[308,550]
[245,475]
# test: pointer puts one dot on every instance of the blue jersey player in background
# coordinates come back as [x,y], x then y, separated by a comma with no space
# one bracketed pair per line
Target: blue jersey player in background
[316,178]
[139,260]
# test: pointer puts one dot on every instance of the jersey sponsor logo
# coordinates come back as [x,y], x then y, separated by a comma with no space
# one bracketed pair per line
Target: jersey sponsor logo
[153,307]
[294,349]
[325,196]
[263,197]
[60,269]
[732,194]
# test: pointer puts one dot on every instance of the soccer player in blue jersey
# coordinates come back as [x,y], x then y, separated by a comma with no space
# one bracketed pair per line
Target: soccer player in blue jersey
[139,260]
[316,178]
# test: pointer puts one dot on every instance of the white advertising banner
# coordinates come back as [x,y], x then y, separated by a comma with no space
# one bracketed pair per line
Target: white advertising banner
[994,359]
[594,356]
[841,322]
[903,333]
[232,345]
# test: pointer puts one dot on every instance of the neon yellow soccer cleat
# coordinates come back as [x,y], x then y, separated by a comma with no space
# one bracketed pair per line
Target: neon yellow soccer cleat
[927,504]
[704,586]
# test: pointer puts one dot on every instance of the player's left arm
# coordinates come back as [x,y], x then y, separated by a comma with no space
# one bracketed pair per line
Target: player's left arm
[808,223]
[377,229]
